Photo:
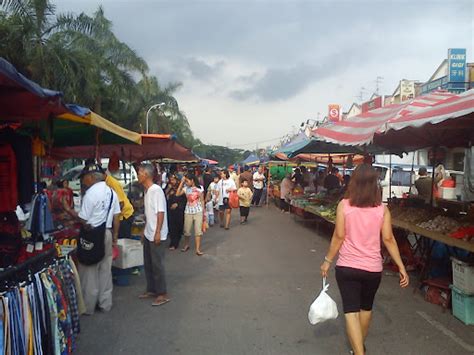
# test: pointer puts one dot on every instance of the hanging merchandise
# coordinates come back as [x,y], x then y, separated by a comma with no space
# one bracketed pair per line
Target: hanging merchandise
[114,163]
[39,307]
[8,179]
[38,148]
[10,239]
[23,173]
[41,220]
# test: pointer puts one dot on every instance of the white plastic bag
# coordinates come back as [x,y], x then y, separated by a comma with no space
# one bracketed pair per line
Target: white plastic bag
[323,308]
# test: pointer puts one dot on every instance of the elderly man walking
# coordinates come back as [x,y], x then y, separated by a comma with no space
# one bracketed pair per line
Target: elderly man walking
[156,232]
[99,214]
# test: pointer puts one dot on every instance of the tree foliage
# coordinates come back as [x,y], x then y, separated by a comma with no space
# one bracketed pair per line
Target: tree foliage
[80,55]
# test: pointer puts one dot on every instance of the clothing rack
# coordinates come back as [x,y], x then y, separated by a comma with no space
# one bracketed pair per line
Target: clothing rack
[30,266]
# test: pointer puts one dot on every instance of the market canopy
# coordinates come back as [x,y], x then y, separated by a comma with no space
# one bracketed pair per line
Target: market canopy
[21,98]
[154,147]
[252,159]
[440,118]
[80,126]
[24,101]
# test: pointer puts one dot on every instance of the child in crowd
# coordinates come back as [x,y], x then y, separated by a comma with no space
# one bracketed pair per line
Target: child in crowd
[212,193]
[210,212]
[245,199]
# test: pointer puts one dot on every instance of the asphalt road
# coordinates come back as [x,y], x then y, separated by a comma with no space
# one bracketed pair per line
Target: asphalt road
[250,294]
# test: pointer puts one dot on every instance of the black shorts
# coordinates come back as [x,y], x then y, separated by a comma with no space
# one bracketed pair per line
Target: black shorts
[225,205]
[244,211]
[357,287]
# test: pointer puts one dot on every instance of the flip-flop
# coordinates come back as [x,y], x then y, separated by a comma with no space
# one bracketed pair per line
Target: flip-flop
[147,295]
[160,303]
[199,253]
[185,249]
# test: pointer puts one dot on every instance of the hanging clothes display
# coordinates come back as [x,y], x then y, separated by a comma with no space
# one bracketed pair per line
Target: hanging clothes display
[23,173]
[41,315]
[10,239]
[8,179]
[41,220]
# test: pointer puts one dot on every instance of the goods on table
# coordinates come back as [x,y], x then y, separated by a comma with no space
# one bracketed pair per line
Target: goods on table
[411,214]
[440,224]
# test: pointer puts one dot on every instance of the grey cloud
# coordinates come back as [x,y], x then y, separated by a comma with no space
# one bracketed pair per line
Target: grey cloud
[284,83]
[201,70]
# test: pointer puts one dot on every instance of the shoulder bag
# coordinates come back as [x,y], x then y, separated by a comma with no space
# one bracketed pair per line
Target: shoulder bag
[91,246]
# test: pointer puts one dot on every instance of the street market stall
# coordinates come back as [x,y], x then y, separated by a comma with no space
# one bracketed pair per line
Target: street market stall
[37,250]
[425,232]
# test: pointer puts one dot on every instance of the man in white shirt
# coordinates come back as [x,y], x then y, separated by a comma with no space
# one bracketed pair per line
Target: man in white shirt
[100,205]
[258,183]
[156,232]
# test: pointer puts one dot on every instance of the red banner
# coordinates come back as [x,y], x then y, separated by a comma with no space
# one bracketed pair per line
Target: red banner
[334,112]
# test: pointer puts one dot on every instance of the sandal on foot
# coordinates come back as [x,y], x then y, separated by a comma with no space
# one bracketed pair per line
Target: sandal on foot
[185,249]
[147,295]
[199,253]
[160,302]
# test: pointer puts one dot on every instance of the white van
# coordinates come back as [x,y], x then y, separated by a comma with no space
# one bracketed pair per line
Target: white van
[72,175]
[402,179]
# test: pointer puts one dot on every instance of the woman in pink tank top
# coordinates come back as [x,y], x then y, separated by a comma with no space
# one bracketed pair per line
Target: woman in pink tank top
[362,224]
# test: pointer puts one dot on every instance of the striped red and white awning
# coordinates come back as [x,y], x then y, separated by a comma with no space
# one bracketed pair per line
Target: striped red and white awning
[433,108]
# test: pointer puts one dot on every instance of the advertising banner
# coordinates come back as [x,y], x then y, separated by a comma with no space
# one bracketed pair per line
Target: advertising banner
[377,102]
[407,90]
[457,65]
[334,112]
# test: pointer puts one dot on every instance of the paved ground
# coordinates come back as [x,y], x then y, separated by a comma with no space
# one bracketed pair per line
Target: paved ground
[250,294]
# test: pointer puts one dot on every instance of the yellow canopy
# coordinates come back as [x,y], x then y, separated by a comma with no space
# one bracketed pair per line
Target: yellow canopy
[94,119]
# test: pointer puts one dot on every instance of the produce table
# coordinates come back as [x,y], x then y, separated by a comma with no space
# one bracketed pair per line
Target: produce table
[440,237]
[315,210]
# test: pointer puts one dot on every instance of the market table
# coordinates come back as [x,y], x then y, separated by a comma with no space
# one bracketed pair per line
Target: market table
[440,237]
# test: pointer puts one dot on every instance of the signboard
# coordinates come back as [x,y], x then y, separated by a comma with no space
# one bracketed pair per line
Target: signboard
[372,104]
[457,65]
[407,90]
[433,85]
[334,112]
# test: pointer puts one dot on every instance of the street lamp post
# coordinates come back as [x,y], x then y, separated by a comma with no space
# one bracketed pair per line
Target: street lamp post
[149,110]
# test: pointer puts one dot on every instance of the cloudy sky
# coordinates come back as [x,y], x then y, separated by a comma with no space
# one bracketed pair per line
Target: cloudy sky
[252,71]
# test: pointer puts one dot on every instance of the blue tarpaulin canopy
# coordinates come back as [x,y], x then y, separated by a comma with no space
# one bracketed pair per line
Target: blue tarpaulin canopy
[252,159]
[21,98]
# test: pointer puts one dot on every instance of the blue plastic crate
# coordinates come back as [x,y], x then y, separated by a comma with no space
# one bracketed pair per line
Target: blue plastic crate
[463,306]
[121,277]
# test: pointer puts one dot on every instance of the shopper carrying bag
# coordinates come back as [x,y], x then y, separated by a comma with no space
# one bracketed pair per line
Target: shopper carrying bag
[323,308]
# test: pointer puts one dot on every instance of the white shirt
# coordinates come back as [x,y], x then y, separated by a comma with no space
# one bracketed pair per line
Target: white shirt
[164,180]
[222,187]
[95,205]
[155,201]
[258,184]
[210,208]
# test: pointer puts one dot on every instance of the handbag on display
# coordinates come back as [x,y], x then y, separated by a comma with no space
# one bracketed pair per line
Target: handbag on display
[91,244]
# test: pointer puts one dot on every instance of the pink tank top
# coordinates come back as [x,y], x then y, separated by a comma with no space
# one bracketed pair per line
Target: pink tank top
[361,247]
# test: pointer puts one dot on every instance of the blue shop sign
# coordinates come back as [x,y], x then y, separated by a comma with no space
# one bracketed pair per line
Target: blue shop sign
[457,65]
[435,84]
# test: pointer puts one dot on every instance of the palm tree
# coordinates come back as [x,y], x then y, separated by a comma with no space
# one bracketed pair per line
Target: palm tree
[79,55]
